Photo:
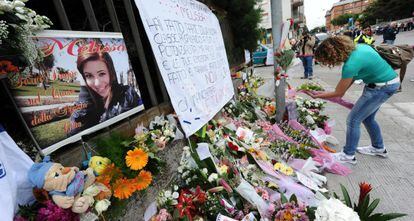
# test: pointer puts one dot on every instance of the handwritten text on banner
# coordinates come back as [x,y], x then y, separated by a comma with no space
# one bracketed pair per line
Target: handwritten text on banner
[187,42]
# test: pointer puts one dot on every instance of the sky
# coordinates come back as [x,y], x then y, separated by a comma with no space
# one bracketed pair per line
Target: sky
[315,11]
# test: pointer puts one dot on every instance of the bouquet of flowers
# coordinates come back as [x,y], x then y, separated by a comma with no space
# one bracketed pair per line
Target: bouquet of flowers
[311,86]
[17,25]
[310,113]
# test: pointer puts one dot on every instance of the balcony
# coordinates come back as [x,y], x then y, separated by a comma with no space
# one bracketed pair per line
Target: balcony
[296,3]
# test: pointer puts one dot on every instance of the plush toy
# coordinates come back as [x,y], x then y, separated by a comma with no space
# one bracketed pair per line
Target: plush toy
[98,164]
[64,184]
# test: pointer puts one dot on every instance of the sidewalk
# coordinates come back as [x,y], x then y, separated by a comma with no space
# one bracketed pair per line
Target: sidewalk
[391,178]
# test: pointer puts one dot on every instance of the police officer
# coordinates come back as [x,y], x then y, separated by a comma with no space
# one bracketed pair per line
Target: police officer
[365,37]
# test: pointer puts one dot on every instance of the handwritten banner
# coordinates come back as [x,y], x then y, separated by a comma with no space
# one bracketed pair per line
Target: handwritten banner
[84,83]
[187,42]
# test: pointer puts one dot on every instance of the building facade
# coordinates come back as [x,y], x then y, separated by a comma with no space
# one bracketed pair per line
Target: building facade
[345,7]
[291,9]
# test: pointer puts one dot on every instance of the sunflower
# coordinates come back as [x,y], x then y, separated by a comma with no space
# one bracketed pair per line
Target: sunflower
[143,180]
[136,159]
[123,188]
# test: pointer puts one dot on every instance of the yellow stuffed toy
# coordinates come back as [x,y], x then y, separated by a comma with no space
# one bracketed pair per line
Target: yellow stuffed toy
[98,164]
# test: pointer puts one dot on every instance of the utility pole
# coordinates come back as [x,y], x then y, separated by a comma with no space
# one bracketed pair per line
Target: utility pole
[280,82]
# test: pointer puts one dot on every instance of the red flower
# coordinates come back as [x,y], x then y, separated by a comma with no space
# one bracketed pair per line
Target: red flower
[364,189]
[185,205]
[7,67]
[199,195]
[232,146]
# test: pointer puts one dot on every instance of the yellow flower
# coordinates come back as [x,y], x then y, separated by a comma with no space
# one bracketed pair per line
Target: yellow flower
[136,159]
[223,169]
[143,180]
[278,166]
[289,171]
[271,184]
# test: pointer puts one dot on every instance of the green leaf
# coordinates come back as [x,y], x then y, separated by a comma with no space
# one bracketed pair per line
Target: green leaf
[346,196]
[391,216]
[363,207]
[293,198]
[335,195]
[372,207]
[283,198]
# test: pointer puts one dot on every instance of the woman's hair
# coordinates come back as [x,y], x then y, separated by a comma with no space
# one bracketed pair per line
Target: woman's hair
[334,50]
[83,58]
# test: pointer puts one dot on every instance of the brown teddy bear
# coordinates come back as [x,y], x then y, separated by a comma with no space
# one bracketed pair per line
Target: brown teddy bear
[64,184]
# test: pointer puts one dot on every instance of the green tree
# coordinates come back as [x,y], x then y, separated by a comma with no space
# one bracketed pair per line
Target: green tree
[318,29]
[244,19]
[388,10]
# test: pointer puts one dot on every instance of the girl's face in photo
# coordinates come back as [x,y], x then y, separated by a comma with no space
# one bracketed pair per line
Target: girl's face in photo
[97,77]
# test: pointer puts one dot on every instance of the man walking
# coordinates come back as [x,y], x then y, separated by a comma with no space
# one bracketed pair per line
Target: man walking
[390,33]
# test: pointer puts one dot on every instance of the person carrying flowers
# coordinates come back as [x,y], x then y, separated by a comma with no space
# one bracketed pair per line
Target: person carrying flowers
[360,62]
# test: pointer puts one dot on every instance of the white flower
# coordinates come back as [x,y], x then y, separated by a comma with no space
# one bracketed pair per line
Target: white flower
[175,187]
[18,3]
[309,119]
[102,205]
[213,177]
[175,195]
[335,210]
[204,171]
[167,194]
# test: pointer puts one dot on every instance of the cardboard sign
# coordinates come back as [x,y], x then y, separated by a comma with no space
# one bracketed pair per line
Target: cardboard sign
[188,46]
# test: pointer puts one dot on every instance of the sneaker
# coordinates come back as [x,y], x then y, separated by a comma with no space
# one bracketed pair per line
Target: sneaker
[310,78]
[303,78]
[344,158]
[370,150]
[358,82]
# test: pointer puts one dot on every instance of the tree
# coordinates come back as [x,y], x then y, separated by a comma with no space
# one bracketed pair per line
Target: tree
[244,19]
[388,10]
[318,29]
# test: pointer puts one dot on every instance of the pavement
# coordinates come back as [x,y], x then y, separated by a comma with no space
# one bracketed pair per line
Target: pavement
[391,178]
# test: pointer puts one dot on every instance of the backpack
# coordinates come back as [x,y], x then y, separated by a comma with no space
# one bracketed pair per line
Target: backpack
[397,56]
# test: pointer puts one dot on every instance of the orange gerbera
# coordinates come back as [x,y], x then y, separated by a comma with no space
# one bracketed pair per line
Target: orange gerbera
[123,188]
[143,180]
[105,180]
[136,159]
[111,171]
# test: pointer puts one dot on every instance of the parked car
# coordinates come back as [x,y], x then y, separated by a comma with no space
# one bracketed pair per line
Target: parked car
[263,55]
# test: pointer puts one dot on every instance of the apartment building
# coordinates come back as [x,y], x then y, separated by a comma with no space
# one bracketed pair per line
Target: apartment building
[345,7]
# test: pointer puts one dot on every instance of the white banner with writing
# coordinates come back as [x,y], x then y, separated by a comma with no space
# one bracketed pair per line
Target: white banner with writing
[188,45]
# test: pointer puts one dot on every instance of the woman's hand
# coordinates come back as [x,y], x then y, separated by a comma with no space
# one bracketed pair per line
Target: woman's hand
[340,89]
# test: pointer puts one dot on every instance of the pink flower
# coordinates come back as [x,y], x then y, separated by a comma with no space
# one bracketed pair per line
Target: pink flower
[263,193]
[163,215]
[52,212]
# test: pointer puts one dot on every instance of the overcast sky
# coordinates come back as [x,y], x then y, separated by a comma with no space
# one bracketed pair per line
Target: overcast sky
[315,11]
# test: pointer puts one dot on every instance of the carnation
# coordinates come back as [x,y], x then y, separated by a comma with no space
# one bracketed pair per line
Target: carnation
[335,210]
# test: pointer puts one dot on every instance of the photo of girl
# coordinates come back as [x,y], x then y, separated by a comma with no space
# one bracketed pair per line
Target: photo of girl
[104,96]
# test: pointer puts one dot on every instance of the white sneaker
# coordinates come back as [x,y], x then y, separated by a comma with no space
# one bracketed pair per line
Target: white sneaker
[344,158]
[370,150]
[358,82]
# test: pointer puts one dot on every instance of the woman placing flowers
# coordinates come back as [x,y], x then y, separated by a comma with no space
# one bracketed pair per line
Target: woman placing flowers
[360,62]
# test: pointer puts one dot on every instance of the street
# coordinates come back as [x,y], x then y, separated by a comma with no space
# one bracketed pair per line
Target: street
[391,178]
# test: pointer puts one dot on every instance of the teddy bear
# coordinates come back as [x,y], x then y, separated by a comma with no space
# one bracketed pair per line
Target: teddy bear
[64,184]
